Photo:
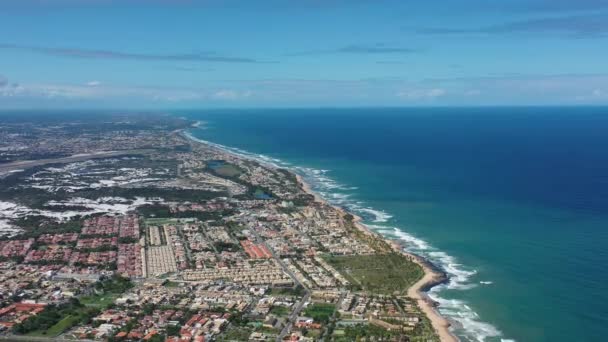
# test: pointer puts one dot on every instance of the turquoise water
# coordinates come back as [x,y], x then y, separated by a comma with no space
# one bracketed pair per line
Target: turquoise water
[511,202]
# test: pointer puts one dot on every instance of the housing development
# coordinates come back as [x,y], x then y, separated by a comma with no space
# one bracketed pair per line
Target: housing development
[126,229]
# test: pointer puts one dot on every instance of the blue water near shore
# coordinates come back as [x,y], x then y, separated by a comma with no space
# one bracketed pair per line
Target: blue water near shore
[511,202]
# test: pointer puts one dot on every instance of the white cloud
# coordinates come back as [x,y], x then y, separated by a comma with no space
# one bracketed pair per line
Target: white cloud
[422,94]
[225,95]
[10,90]
[96,90]
[228,94]
[513,89]
[594,96]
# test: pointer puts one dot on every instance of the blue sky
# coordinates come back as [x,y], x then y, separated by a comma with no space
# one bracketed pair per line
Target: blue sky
[293,53]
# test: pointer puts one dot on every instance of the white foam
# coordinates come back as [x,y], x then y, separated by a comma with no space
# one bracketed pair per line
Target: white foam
[413,244]
[379,215]
[468,322]
[274,162]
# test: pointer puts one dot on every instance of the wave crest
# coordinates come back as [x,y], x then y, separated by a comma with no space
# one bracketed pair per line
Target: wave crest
[467,322]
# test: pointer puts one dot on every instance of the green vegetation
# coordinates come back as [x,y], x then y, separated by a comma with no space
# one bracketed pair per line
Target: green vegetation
[380,273]
[303,200]
[221,246]
[370,332]
[364,332]
[223,169]
[38,225]
[106,291]
[170,283]
[56,319]
[159,221]
[313,333]
[297,291]
[260,193]
[236,230]
[232,172]
[228,170]
[102,248]
[163,211]
[280,311]
[320,312]
[36,198]
[47,262]
[115,284]
[289,175]
[61,326]
[173,330]
[127,239]
[236,333]
[100,301]
[110,266]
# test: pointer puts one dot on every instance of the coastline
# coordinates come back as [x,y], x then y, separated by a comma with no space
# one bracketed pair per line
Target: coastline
[431,277]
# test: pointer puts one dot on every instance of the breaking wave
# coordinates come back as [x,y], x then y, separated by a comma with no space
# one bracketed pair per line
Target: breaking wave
[467,324]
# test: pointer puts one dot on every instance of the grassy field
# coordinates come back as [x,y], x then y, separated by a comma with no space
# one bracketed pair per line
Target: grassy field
[364,332]
[58,328]
[99,301]
[380,274]
[106,292]
[161,221]
[320,312]
[280,311]
[170,283]
[234,333]
[313,333]
[287,291]
[227,170]
[55,319]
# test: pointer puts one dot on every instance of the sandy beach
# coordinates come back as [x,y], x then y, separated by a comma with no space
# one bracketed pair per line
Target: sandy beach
[431,277]
[440,324]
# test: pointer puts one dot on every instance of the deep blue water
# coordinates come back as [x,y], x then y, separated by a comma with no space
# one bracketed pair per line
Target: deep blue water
[512,202]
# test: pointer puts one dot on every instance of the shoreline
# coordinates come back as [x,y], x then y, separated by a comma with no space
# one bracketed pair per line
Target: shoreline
[431,277]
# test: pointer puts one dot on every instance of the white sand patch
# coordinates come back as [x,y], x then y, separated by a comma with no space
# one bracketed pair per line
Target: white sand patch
[6,173]
[109,205]
[8,229]
[93,174]
[105,205]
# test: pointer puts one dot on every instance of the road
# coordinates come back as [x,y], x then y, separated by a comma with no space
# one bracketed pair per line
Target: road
[332,319]
[18,338]
[26,164]
[293,317]
[298,308]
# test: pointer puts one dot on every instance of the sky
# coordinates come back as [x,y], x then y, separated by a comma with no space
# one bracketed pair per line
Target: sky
[302,53]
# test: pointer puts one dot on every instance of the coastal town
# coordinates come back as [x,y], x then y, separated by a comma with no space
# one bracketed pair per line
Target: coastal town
[135,231]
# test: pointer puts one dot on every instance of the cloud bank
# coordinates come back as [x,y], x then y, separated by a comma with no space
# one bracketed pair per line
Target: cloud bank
[571,89]
[575,26]
[109,54]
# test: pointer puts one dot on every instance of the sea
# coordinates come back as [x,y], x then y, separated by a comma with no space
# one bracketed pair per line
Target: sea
[512,203]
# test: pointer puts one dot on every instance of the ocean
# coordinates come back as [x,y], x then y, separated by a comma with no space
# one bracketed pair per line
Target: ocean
[511,202]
